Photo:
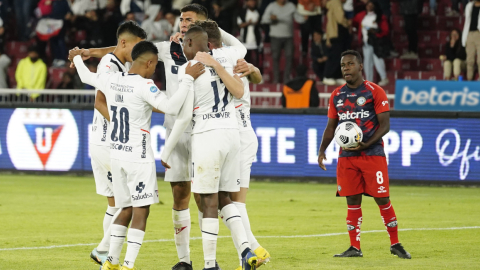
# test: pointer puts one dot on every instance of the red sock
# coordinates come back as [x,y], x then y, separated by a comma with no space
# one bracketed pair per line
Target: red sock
[390,221]
[354,221]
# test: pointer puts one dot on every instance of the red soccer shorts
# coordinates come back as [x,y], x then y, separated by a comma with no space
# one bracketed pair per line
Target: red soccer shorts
[362,175]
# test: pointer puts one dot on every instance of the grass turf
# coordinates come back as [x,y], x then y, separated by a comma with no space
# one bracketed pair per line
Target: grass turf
[46,211]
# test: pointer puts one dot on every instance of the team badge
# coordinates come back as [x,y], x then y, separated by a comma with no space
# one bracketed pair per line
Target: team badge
[361,101]
[153,89]
[42,139]
[339,188]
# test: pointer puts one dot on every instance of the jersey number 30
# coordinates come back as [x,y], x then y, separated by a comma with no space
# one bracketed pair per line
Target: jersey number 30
[124,125]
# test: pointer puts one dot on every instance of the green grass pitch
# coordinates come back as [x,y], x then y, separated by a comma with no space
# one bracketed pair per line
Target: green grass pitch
[58,219]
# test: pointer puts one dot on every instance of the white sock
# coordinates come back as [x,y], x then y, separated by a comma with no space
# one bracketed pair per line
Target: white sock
[242,209]
[182,225]
[233,238]
[118,233]
[200,217]
[134,243]
[209,236]
[234,223]
[105,243]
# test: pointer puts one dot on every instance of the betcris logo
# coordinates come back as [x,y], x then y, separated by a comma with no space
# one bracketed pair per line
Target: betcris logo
[42,139]
[437,96]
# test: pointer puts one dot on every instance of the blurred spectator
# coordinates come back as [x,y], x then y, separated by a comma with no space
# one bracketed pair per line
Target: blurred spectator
[337,37]
[91,24]
[454,56]
[4,63]
[60,10]
[248,22]
[79,7]
[31,73]
[432,7]
[179,4]
[67,82]
[23,12]
[223,11]
[471,36]
[157,27]
[111,19]
[77,82]
[410,10]
[300,92]
[349,10]
[2,34]
[311,10]
[174,20]
[454,11]
[317,52]
[373,32]
[279,15]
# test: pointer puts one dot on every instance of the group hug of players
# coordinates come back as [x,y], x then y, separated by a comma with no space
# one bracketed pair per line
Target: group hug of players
[210,143]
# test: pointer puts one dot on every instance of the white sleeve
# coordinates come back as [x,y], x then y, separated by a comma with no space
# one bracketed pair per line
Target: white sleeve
[160,101]
[183,120]
[93,79]
[233,42]
[162,47]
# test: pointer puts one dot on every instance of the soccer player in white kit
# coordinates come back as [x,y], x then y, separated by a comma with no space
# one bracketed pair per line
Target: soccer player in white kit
[130,98]
[215,143]
[179,176]
[128,34]
[248,139]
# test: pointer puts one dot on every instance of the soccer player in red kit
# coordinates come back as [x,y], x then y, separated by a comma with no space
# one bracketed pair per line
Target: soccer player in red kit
[363,169]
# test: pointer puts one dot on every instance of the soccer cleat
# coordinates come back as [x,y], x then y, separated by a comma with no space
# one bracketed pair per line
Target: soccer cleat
[262,255]
[216,265]
[399,251]
[109,266]
[126,268]
[249,262]
[239,268]
[350,252]
[182,266]
[99,257]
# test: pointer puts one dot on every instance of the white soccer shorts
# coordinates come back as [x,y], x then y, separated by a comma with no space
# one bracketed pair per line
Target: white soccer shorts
[248,152]
[135,183]
[215,160]
[100,158]
[180,159]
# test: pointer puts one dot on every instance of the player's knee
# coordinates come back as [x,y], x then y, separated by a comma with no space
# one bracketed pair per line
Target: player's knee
[354,200]
[382,201]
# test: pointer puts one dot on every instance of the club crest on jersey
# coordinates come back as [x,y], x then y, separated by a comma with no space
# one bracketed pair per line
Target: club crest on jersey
[42,139]
[153,89]
[361,101]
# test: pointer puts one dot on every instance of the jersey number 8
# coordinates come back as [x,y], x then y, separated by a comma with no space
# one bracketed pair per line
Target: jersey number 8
[124,125]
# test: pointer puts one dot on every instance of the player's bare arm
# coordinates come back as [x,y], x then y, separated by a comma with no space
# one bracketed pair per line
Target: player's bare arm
[233,83]
[87,53]
[328,134]
[101,105]
[248,70]
[384,122]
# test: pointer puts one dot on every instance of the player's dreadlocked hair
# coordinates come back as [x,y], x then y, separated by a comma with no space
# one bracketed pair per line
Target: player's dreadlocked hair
[196,8]
[355,53]
[132,28]
[143,47]
[213,32]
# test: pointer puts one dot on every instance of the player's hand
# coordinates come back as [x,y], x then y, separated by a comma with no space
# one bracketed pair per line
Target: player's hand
[360,147]
[176,38]
[196,70]
[85,53]
[206,59]
[244,68]
[165,165]
[321,158]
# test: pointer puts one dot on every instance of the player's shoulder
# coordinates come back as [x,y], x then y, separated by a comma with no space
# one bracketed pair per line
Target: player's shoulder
[338,90]
[373,86]
[146,84]
[109,63]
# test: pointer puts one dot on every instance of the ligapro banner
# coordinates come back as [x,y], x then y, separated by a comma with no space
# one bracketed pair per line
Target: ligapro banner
[437,95]
[417,148]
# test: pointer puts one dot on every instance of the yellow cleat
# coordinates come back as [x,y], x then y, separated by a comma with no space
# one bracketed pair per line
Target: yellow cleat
[126,268]
[239,268]
[262,255]
[109,266]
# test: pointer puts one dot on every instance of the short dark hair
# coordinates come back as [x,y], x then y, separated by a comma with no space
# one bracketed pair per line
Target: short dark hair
[301,70]
[354,53]
[33,48]
[195,30]
[133,28]
[143,47]
[211,27]
[196,8]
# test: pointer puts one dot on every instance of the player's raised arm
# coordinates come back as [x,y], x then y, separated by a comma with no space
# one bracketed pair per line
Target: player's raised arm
[232,82]
[87,53]
[85,75]
[232,41]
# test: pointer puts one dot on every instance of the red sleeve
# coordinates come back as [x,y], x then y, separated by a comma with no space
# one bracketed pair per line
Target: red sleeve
[357,20]
[383,27]
[332,110]
[380,100]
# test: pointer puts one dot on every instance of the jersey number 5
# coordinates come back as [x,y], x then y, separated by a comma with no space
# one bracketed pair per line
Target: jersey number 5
[124,125]
[217,97]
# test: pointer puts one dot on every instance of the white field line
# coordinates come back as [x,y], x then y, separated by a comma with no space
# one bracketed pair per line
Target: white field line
[266,236]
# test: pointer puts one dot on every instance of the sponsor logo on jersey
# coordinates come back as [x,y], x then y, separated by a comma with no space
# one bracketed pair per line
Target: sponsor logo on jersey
[216,115]
[385,102]
[140,187]
[351,95]
[105,127]
[121,88]
[339,103]
[221,60]
[350,227]
[382,189]
[153,89]
[42,139]
[353,115]
[109,176]
[121,147]
[144,145]
[361,101]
